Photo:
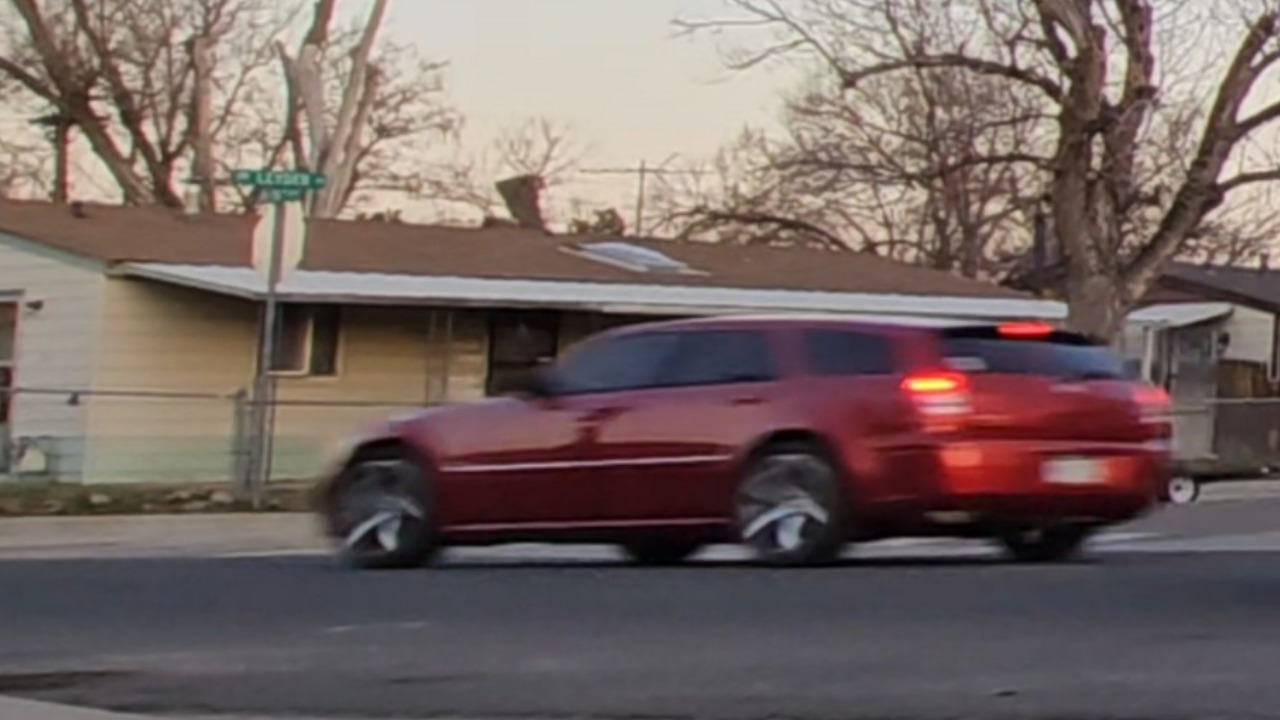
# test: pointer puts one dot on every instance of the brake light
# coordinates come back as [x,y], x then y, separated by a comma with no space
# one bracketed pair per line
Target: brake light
[940,398]
[1025,330]
[934,383]
[1154,404]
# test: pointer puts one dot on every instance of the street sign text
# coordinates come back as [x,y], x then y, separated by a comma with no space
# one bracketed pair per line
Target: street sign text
[279,180]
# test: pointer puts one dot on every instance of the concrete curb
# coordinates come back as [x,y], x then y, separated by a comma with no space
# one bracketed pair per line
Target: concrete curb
[15,709]
[158,534]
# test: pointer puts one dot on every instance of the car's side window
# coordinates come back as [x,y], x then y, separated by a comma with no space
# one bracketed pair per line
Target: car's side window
[847,352]
[720,357]
[629,362]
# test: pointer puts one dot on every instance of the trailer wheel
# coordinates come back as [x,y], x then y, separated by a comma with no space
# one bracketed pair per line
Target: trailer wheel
[1183,490]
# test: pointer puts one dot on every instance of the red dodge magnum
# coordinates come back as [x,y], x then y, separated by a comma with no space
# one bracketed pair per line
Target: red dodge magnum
[792,435]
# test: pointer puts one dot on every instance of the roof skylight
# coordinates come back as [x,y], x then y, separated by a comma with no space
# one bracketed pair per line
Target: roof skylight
[631,257]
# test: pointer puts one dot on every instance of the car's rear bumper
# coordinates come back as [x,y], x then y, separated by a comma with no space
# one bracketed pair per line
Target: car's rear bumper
[1003,480]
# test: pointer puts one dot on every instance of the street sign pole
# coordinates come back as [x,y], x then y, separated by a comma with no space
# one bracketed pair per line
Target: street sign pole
[276,188]
[265,384]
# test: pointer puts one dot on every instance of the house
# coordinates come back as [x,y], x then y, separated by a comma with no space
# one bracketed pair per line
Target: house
[128,336]
[1210,336]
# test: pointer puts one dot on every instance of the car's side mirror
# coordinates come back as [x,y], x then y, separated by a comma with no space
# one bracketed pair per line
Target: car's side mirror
[543,383]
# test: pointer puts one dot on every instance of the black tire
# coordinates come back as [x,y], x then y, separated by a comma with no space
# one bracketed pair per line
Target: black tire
[1182,490]
[801,478]
[377,483]
[1054,543]
[660,552]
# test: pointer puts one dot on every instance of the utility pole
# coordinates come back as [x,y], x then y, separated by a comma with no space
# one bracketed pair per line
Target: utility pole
[642,173]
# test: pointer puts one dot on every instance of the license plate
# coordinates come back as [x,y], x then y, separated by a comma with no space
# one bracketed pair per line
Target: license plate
[1073,471]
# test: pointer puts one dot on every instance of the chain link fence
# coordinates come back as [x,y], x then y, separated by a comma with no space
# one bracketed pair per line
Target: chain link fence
[171,438]
[1229,435]
[164,437]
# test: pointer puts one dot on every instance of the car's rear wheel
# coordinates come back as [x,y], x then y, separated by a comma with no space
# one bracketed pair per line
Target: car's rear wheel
[382,512]
[660,552]
[1051,543]
[1183,490]
[790,508]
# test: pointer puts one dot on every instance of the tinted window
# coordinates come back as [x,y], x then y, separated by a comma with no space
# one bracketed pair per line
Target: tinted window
[716,357]
[845,352]
[623,363]
[1033,357]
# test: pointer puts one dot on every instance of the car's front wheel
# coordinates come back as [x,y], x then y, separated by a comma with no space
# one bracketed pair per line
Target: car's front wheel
[790,507]
[382,513]
[1051,543]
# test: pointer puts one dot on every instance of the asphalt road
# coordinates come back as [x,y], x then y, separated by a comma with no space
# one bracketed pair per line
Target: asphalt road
[1142,630]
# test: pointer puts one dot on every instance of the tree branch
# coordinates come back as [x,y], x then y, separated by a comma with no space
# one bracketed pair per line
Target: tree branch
[1249,178]
[850,79]
[29,81]
[1201,192]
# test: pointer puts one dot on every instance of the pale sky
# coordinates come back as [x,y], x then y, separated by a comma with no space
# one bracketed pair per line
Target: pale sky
[612,69]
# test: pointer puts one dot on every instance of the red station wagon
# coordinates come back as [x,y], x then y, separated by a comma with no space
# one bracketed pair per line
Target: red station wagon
[792,435]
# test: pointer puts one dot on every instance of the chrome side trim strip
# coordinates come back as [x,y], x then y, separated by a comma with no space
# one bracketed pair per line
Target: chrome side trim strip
[587,464]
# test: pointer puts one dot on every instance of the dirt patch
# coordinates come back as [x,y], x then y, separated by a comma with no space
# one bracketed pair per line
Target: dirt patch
[144,499]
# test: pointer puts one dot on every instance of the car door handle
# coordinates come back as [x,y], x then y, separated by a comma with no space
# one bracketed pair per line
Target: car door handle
[747,400]
[598,414]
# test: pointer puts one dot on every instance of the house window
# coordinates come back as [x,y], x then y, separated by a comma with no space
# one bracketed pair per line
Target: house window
[8,331]
[518,343]
[307,340]
[8,335]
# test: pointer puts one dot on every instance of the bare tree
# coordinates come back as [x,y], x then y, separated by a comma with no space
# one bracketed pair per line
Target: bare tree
[121,74]
[22,170]
[171,92]
[359,111]
[1136,161]
[882,169]
[535,147]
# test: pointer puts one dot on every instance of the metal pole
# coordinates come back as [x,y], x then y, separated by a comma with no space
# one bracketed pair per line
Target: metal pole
[1039,249]
[644,171]
[448,357]
[264,384]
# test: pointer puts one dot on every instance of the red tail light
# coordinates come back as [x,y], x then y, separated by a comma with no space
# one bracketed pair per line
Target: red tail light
[1153,403]
[934,383]
[939,397]
[1025,330]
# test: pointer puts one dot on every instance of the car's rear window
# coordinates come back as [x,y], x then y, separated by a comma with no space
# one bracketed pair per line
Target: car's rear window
[1033,357]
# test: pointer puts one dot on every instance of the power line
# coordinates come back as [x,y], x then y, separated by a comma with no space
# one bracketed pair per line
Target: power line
[642,171]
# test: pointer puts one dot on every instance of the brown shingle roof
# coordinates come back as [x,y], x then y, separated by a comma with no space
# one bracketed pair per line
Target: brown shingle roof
[148,234]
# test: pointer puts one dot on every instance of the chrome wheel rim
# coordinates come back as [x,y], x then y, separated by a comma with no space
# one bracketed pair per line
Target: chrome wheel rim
[379,507]
[1183,490]
[777,514]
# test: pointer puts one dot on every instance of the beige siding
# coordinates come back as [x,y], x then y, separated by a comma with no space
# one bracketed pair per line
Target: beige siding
[391,361]
[161,340]
[170,361]
[1251,335]
[55,346]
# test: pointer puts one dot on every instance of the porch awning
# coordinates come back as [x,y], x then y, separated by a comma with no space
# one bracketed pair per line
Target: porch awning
[385,289]
[1180,314]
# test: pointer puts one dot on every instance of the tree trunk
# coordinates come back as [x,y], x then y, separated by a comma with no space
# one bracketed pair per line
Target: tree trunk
[1095,306]
[202,122]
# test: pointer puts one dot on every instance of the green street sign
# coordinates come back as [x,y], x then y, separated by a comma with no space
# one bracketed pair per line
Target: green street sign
[280,195]
[279,180]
